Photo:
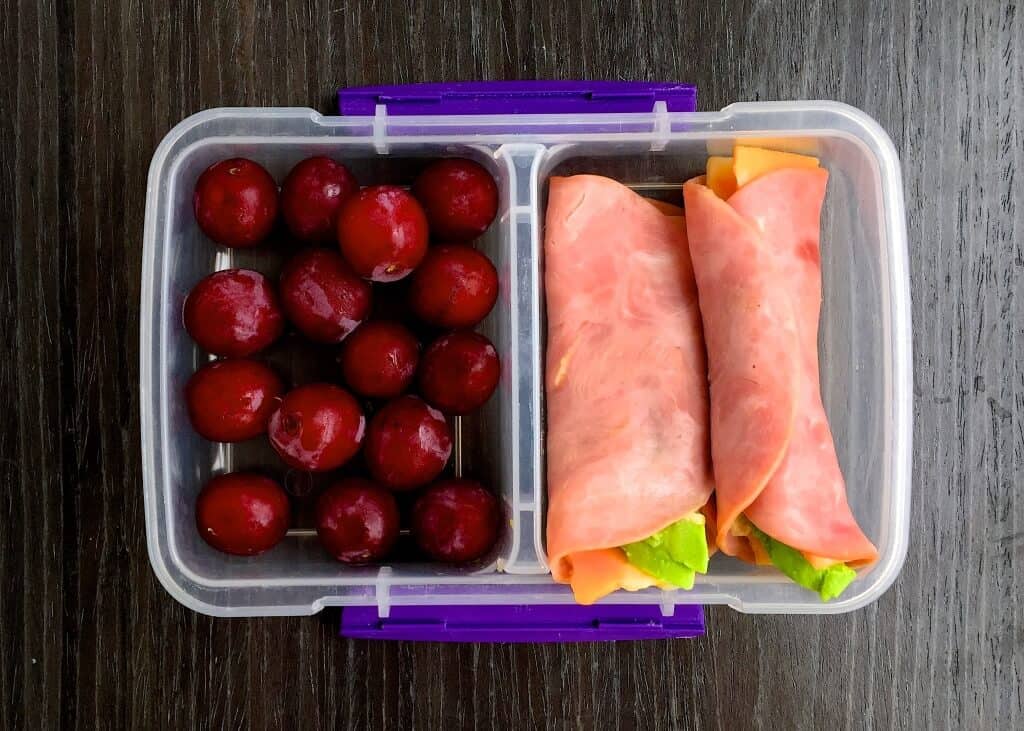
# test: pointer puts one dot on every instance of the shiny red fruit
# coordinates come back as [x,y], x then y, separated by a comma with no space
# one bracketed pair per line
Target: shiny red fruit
[235,202]
[233,313]
[459,372]
[231,400]
[379,359]
[317,427]
[459,196]
[322,296]
[242,513]
[455,520]
[407,444]
[382,232]
[357,521]
[311,197]
[455,286]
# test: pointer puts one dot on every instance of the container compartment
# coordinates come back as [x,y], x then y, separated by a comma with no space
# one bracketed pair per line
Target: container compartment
[855,341]
[864,342]
[297,575]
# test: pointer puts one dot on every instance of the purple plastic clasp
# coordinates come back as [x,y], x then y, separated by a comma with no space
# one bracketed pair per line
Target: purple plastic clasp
[533,623]
[518,97]
[539,622]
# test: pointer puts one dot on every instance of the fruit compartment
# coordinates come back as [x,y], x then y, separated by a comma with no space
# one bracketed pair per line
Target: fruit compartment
[864,342]
[490,445]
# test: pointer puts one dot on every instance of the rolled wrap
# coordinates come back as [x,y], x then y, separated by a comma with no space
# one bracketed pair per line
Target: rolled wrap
[756,259]
[626,381]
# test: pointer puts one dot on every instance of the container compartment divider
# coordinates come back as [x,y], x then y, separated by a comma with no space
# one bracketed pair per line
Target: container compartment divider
[523,364]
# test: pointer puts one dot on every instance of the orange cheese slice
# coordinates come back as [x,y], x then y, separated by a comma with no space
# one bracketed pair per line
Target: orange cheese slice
[720,176]
[819,562]
[750,163]
[600,572]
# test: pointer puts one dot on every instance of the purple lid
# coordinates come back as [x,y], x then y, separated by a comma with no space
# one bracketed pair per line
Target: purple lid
[518,97]
[532,623]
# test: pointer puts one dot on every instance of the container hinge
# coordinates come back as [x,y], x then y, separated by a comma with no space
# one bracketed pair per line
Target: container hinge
[668,603]
[662,127]
[380,129]
[384,592]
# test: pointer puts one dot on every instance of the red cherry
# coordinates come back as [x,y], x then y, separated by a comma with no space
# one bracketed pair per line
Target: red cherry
[459,372]
[379,359]
[235,202]
[317,427]
[233,313]
[382,232]
[455,286]
[242,513]
[455,520]
[231,400]
[311,197]
[459,196]
[322,296]
[357,521]
[407,444]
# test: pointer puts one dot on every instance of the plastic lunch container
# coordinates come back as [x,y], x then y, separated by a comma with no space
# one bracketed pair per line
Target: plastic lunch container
[644,135]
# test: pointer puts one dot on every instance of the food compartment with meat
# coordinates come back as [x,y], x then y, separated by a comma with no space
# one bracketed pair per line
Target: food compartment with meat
[604,202]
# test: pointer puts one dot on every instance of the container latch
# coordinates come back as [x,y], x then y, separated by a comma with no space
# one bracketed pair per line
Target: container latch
[532,623]
[517,97]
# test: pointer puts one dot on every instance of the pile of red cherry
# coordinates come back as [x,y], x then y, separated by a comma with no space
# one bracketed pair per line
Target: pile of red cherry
[356,237]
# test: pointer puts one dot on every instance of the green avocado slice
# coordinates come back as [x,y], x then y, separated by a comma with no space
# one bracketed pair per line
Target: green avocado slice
[659,564]
[675,554]
[829,583]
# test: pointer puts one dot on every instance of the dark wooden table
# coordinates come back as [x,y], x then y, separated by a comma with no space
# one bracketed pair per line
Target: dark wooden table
[88,637]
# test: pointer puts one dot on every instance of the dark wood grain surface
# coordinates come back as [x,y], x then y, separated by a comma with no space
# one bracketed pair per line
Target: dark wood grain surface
[88,637]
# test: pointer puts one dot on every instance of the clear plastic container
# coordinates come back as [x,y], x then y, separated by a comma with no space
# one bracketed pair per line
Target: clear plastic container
[865,342]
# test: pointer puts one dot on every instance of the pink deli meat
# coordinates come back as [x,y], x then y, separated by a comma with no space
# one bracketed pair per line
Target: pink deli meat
[626,379]
[756,259]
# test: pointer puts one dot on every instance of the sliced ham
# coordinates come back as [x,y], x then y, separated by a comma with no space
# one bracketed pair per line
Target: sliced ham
[756,259]
[627,403]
